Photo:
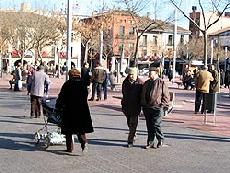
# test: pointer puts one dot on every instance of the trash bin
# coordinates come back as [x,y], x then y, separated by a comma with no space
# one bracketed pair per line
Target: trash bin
[210,102]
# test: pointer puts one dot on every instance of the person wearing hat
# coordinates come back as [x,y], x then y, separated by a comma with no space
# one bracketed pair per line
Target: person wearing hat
[76,118]
[38,80]
[131,105]
[155,96]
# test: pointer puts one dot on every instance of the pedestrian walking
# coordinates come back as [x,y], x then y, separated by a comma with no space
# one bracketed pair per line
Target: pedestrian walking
[170,73]
[18,78]
[98,77]
[155,96]
[203,79]
[105,84]
[38,80]
[131,102]
[76,115]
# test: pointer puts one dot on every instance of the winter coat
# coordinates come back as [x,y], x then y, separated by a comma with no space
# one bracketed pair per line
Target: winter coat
[155,94]
[215,84]
[131,101]
[73,100]
[203,81]
[98,75]
[38,80]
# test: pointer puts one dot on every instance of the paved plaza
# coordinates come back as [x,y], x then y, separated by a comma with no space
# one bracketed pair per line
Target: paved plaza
[190,145]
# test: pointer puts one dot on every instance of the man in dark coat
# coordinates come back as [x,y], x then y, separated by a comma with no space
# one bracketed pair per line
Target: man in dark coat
[98,78]
[214,85]
[76,115]
[131,102]
[155,96]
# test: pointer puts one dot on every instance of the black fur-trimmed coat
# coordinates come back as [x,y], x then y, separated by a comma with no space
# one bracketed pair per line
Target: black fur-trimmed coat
[73,100]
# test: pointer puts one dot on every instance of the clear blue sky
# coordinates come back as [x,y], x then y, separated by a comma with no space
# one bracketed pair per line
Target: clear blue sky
[86,7]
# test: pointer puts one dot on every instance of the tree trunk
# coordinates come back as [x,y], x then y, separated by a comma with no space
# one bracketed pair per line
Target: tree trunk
[134,63]
[205,48]
[86,51]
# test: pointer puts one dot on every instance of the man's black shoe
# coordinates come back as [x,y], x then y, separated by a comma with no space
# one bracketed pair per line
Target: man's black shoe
[159,144]
[91,99]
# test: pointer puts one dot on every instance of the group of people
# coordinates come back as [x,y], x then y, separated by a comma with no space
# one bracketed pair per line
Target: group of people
[207,81]
[150,96]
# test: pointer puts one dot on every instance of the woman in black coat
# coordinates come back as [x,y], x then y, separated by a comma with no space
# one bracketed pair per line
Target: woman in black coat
[76,115]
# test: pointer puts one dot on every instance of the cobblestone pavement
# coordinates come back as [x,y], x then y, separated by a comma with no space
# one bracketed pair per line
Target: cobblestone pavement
[187,148]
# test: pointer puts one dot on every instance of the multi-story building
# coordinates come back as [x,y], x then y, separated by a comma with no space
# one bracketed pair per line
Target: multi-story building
[210,17]
[123,36]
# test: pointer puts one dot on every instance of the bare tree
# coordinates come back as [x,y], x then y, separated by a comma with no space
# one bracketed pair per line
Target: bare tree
[217,7]
[140,24]
[27,30]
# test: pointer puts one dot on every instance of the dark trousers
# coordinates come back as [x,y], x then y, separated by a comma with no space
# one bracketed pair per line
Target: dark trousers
[132,122]
[199,97]
[35,106]
[153,122]
[69,141]
[105,90]
[96,86]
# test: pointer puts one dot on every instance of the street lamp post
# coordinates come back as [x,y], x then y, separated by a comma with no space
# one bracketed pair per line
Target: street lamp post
[69,31]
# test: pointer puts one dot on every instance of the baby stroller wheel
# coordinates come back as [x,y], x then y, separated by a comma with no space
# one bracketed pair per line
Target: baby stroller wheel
[37,137]
[47,141]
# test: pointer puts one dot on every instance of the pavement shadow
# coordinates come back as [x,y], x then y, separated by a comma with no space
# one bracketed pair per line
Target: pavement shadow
[62,153]
[108,142]
[18,122]
[113,107]
[196,137]
[11,144]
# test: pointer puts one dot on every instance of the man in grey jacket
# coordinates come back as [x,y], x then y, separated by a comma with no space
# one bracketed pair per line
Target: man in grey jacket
[155,95]
[38,81]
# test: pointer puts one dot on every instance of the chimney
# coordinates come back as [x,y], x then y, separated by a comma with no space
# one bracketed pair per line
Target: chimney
[25,7]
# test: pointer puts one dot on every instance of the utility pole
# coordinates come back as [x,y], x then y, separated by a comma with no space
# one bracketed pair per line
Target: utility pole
[211,60]
[101,46]
[69,35]
[174,44]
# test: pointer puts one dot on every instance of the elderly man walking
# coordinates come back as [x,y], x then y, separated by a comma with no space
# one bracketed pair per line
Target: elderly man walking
[38,81]
[131,102]
[204,77]
[155,96]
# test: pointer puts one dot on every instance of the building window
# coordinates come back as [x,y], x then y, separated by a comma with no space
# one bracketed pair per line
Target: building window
[144,52]
[120,48]
[131,31]
[170,40]
[182,39]
[155,40]
[131,46]
[122,31]
[144,40]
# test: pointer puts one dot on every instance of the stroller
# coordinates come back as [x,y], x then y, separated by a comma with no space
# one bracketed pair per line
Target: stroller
[53,116]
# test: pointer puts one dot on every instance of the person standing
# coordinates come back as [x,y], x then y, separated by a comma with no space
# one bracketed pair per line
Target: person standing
[85,73]
[98,77]
[38,80]
[131,102]
[203,79]
[18,78]
[170,73]
[76,115]
[214,85]
[155,96]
